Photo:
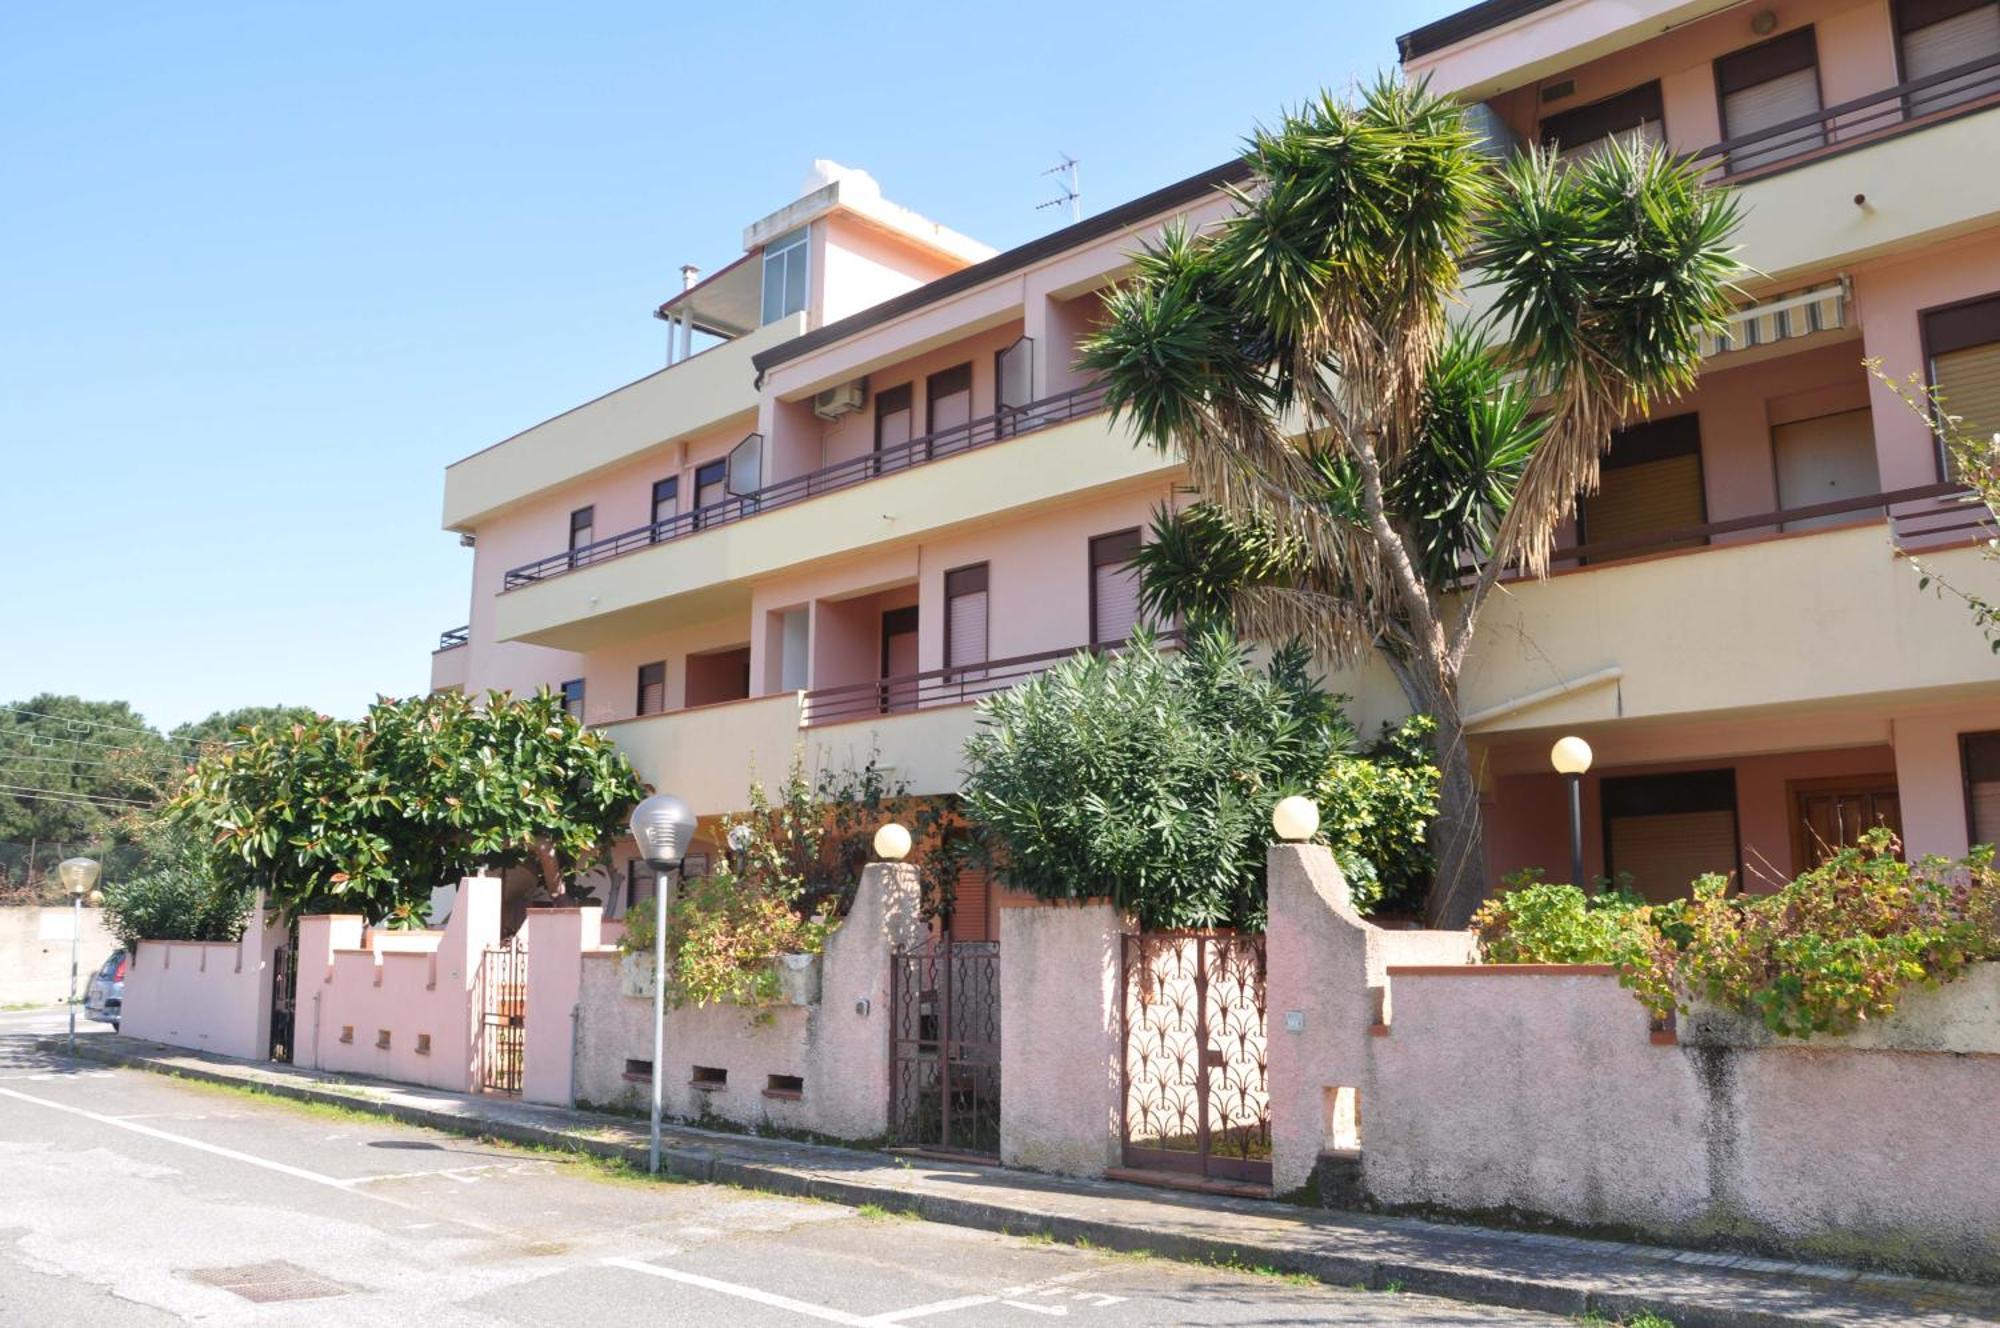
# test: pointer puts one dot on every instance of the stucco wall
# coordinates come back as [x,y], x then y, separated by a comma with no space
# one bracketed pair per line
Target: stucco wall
[354,988]
[838,1045]
[205,995]
[1060,1043]
[35,952]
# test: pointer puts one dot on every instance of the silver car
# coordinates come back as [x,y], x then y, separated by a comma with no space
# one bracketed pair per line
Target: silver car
[104,1000]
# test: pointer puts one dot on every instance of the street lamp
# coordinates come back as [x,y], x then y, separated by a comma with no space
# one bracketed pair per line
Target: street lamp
[1296,819]
[892,842]
[1571,757]
[77,875]
[664,826]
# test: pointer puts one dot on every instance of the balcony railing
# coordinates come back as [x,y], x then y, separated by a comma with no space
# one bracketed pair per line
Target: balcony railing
[1914,104]
[939,687]
[456,637]
[968,437]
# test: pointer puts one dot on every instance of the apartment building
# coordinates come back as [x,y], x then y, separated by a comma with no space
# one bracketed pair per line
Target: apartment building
[871,485]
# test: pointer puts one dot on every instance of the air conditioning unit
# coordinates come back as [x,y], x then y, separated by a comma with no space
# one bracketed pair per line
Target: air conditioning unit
[843,400]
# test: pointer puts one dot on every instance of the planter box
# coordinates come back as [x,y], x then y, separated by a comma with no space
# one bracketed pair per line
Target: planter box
[1958,1016]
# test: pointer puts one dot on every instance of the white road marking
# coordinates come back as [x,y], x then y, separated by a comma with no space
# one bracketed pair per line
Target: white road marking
[1047,1287]
[770,1298]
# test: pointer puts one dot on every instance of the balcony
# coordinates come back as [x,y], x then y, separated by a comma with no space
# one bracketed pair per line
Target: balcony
[453,638]
[882,502]
[942,445]
[698,393]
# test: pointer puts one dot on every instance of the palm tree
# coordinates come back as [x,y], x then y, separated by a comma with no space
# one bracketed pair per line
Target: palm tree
[1367,469]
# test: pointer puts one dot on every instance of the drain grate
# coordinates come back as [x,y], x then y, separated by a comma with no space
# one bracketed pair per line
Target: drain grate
[269,1283]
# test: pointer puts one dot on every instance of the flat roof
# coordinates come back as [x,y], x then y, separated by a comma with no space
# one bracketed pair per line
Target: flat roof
[1453,28]
[1012,260]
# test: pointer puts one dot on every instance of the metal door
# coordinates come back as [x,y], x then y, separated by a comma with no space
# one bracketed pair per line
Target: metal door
[503,982]
[944,1029]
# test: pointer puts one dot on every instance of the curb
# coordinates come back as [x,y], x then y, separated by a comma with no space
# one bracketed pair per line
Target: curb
[1574,1298]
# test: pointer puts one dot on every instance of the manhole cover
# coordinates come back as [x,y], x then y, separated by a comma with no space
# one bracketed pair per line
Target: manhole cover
[269,1283]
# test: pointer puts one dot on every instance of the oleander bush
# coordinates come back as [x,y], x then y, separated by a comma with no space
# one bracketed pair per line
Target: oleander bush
[1833,949]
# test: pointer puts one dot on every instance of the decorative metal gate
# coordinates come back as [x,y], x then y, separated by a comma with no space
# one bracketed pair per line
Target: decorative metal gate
[944,1030]
[503,982]
[284,1001]
[1195,1094]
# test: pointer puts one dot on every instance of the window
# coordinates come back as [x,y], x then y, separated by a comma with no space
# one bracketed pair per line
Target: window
[572,695]
[711,486]
[1114,587]
[1979,755]
[641,882]
[1766,85]
[1933,36]
[1585,130]
[785,274]
[948,407]
[1649,484]
[582,524]
[1013,383]
[666,502]
[965,617]
[1665,830]
[894,426]
[1962,345]
[653,687]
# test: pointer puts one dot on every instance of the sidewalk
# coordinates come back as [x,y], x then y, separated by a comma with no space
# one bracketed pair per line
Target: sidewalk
[1558,1274]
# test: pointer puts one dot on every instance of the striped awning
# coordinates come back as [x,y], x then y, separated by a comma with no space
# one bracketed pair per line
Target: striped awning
[1800,314]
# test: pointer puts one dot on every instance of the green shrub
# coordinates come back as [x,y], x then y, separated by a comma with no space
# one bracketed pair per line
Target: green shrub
[1536,922]
[1830,951]
[1148,777]
[177,901]
[1375,810]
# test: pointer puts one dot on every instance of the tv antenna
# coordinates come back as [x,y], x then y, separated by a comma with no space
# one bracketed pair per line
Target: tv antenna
[1072,193]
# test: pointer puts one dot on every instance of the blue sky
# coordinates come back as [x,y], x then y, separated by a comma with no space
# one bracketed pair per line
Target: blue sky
[268,268]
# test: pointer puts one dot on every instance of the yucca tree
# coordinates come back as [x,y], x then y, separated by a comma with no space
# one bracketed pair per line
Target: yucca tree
[1367,466]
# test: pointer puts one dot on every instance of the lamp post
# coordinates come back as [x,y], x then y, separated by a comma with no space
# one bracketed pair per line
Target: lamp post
[77,875]
[663,826]
[1295,819]
[1571,757]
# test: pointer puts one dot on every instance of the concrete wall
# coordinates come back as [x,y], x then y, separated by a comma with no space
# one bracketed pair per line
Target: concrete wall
[1060,1040]
[398,1005]
[836,1044]
[209,996]
[35,953]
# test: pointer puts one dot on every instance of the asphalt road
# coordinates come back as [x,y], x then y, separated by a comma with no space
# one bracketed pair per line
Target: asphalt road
[132,1199]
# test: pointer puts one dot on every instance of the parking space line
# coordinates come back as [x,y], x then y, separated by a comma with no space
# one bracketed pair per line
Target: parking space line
[771,1298]
[1048,1286]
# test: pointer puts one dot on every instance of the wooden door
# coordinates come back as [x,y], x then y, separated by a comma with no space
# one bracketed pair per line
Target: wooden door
[1831,814]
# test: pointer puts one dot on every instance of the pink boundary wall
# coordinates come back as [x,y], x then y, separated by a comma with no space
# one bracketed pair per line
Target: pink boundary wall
[836,1044]
[1540,1091]
[212,996]
[397,988]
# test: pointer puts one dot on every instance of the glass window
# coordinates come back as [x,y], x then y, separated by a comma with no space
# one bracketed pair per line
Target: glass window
[1767,85]
[1980,755]
[965,616]
[785,284]
[1935,36]
[948,407]
[1114,587]
[582,525]
[653,687]
[572,695]
[1585,129]
[1665,830]
[666,500]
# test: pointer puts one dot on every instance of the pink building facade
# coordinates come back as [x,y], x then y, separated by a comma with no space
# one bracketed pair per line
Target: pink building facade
[872,486]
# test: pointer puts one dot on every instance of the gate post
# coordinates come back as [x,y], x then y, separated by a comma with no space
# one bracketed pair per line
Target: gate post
[556,940]
[1061,1048]
[854,1023]
[1321,972]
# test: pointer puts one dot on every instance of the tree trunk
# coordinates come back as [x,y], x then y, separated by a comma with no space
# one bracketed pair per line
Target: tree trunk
[1456,836]
[551,869]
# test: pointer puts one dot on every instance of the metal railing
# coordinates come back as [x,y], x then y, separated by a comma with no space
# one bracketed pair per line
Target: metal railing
[1868,119]
[455,637]
[1932,511]
[955,441]
[939,687]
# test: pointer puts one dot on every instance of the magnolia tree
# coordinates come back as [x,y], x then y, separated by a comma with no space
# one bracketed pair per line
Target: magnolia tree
[1366,471]
[367,816]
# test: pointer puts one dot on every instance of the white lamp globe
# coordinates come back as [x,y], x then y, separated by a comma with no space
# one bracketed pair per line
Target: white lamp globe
[77,874]
[892,843]
[1296,819]
[1570,756]
[664,827]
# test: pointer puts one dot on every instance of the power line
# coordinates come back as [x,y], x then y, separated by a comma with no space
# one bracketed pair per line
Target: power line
[99,799]
[74,720]
[53,739]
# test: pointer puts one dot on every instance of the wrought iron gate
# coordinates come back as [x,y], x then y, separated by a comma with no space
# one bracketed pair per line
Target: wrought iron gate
[503,982]
[944,1030]
[1195,1093]
[284,1001]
